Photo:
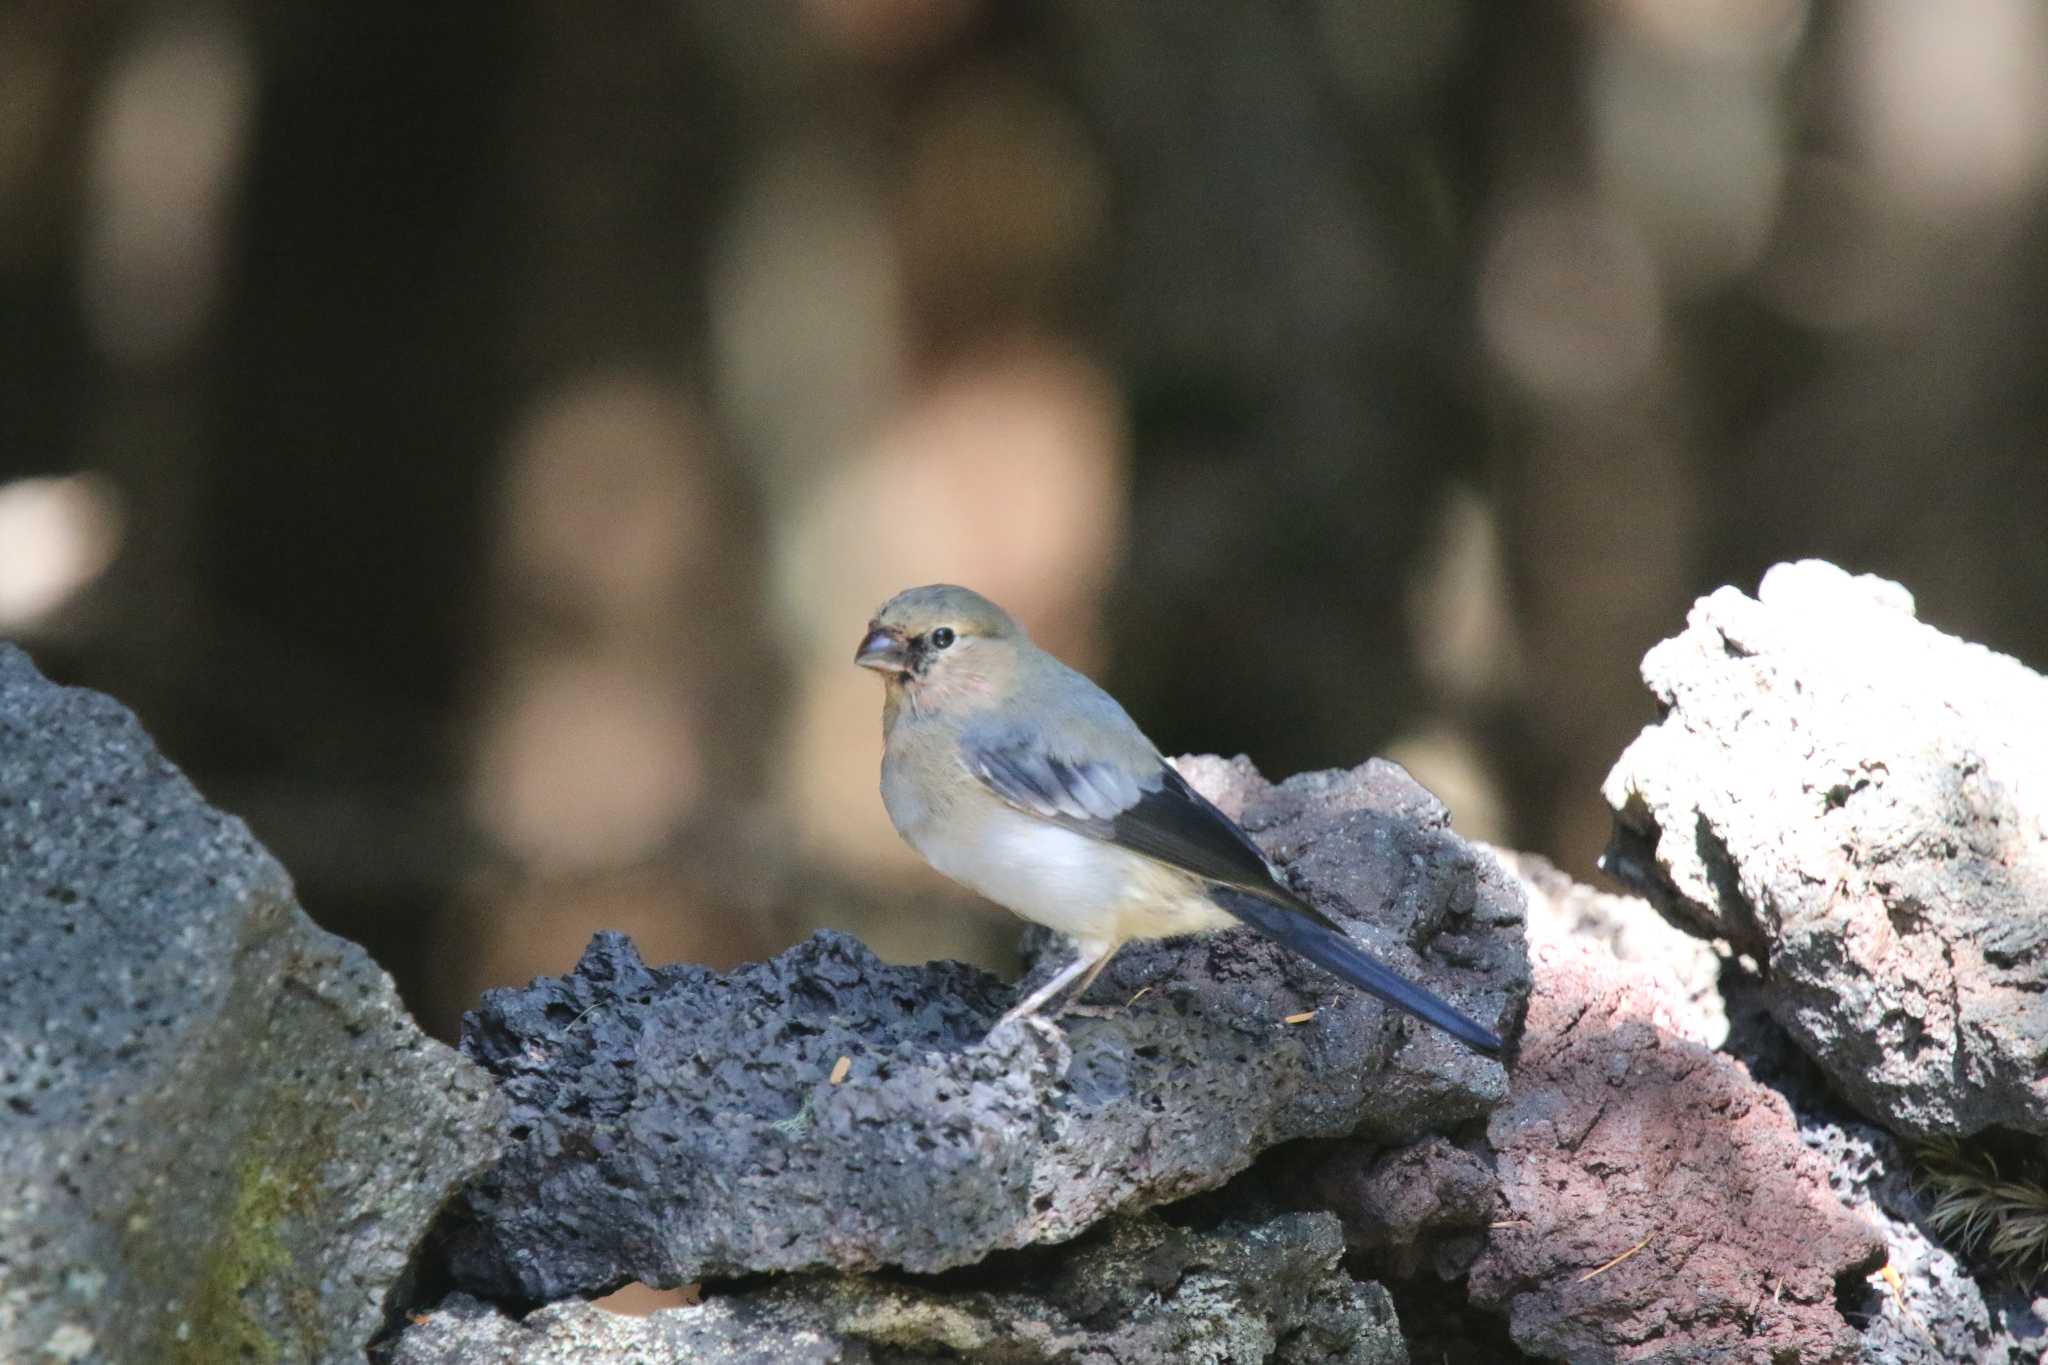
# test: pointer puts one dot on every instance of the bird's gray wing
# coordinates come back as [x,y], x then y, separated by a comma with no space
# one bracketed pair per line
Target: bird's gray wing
[1147,808]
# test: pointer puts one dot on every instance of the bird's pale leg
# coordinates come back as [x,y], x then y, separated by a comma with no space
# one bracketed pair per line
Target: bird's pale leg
[1073,1005]
[1083,962]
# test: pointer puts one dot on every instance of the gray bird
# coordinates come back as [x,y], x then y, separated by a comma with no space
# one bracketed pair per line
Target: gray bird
[1022,780]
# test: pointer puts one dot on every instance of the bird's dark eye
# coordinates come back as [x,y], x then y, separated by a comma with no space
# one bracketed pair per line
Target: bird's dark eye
[942,637]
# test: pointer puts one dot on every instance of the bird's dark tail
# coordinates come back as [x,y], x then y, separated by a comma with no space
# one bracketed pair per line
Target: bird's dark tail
[1320,940]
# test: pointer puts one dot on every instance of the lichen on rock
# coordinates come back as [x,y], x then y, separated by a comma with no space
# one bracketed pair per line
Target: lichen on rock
[224,1137]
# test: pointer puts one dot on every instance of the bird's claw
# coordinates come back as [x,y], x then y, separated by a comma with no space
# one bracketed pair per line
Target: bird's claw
[1034,1022]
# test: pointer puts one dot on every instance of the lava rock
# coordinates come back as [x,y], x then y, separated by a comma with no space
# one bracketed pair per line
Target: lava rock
[1631,930]
[1860,803]
[1657,1202]
[1927,1308]
[672,1124]
[1425,1204]
[223,1137]
[1139,1292]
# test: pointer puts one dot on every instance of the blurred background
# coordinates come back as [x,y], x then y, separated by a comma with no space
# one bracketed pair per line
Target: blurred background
[473,436]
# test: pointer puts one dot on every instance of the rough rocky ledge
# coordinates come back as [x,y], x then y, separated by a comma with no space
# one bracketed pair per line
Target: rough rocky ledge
[671,1124]
[1627,1142]
[225,1139]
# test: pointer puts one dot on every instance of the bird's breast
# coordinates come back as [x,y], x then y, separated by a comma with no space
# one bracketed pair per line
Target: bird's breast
[1085,887]
[903,798]
[1080,886]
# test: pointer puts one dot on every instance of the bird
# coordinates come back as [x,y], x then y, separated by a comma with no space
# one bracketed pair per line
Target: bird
[1019,778]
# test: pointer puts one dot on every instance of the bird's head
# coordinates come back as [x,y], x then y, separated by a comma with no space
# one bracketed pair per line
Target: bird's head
[939,642]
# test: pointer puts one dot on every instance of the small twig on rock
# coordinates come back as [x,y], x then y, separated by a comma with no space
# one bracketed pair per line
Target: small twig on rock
[1603,1269]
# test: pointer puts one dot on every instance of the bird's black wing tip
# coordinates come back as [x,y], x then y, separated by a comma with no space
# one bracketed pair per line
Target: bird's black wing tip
[1325,943]
[1486,1042]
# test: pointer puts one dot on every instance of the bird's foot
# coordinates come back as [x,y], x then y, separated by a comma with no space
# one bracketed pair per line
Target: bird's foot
[1031,1022]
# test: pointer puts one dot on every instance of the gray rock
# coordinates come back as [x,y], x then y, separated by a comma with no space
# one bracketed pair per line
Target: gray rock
[1860,803]
[1928,1309]
[672,1124]
[222,1135]
[1138,1293]
[1425,1205]
[1931,1311]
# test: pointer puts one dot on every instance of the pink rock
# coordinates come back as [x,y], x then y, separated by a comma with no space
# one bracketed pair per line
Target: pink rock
[1625,1145]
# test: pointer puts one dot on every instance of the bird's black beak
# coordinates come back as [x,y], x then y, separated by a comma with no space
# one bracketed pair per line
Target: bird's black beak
[883,650]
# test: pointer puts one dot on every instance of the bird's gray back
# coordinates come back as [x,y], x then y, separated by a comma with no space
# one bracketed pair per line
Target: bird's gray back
[1065,710]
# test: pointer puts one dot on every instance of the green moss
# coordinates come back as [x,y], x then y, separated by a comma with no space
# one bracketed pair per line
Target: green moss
[248,1252]
[271,1184]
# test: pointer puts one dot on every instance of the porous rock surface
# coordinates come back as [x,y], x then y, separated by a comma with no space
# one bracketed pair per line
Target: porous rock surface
[1626,1140]
[1137,1292]
[673,1124]
[1930,1309]
[1425,1204]
[221,1137]
[1926,1308]
[1860,803]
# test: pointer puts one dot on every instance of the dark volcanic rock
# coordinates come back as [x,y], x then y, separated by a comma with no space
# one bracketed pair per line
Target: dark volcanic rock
[1860,803]
[672,1124]
[1426,1203]
[220,1135]
[1139,1293]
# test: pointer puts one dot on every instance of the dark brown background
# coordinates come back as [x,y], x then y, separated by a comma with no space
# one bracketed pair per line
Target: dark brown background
[473,436]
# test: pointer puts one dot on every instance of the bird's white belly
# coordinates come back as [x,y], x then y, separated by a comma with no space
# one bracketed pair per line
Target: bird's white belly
[1071,883]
